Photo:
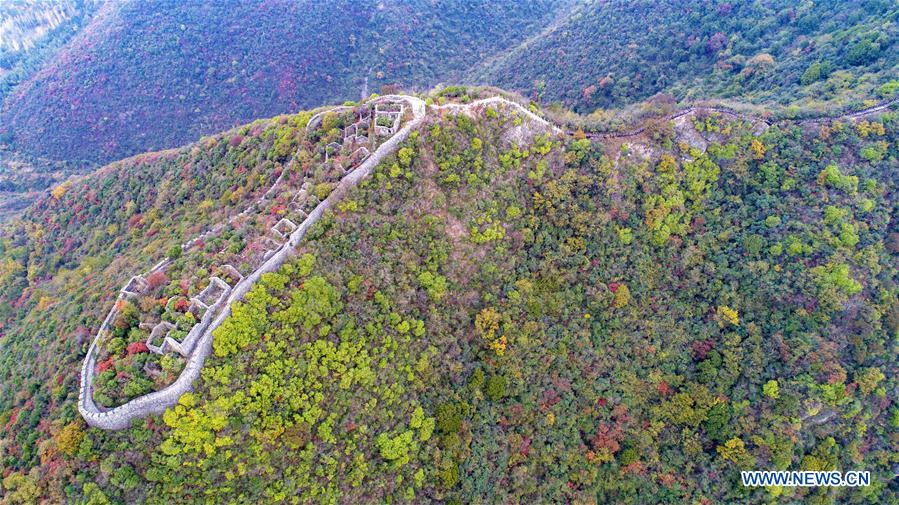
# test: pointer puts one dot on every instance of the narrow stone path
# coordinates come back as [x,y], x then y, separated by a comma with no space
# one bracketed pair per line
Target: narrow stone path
[746,117]
[496,100]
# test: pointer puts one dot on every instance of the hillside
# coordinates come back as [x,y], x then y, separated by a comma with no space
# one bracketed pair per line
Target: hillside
[152,75]
[63,262]
[498,313]
[31,32]
[817,55]
[113,79]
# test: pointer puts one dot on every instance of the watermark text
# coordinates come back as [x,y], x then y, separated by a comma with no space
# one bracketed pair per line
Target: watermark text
[806,479]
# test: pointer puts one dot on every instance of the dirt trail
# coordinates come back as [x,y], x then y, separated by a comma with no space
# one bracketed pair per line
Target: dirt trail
[746,117]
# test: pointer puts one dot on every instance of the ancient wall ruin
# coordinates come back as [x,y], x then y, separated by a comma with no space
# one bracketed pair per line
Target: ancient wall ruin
[157,402]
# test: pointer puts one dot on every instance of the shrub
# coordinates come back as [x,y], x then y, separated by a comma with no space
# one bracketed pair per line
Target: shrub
[496,387]
[862,52]
[771,389]
[727,315]
[137,347]
[832,177]
[449,417]
[157,278]
[395,448]
[815,72]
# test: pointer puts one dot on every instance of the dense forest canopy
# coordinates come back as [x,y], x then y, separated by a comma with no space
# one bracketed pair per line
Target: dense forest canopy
[498,313]
[151,75]
[32,32]
[640,273]
[777,53]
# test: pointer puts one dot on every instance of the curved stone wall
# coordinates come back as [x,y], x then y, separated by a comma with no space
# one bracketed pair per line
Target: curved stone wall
[156,402]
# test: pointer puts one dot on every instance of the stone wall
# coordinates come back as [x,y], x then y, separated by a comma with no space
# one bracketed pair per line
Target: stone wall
[158,401]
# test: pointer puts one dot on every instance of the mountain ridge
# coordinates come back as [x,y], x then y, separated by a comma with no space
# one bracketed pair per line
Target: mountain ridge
[460,276]
[146,76]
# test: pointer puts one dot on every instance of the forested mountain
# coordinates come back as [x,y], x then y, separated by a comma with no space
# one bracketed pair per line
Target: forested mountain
[776,52]
[32,31]
[65,259]
[500,313]
[154,74]
[146,75]
[631,307]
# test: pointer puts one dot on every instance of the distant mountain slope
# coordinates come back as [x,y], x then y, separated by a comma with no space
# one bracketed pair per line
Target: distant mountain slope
[608,54]
[32,31]
[149,75]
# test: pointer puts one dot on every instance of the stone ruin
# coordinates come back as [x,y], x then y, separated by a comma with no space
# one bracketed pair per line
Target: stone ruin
[359,155]
[393,113]
[364,114]
[157,402]
[284,228]
[213,293]
[159,341]
[196,308]
[349,133]
[203,307]
[366,117]
[136,286]
[271,247]
[299,201]
[353,133]
[231,272]
[356,158]
[333,146]
[152,369]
